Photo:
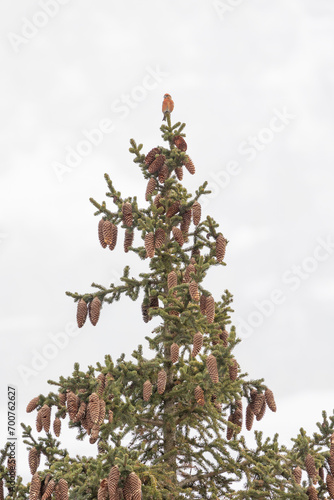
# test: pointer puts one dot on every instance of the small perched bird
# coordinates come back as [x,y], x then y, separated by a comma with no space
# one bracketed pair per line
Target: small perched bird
[167,105]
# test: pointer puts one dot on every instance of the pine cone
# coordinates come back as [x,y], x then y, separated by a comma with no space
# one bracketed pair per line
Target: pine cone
[49,489]
[35,487]
[190,269]
[220,247]
[197,344]
[163,174]
[132,486]
[159,238]
[186,220]
[249,417]
[62,398]
[171,280]
[261,413]
[270,399]
[189,165]
[81,412]
[178,236]
[257,403]
[233,370]
[193,291]
[330,485]
[102,383]
[151,156]
[297,474]
[102,493]
[2,495]
[151,185]
[180,143]
[107,232]
[174,352]
[154,302]
[312,493]
[113,479]
[94,310]
[202,304]
[224,337]
[162,379]
[210,309]
[46,417]
[197,212]
[81,313]
[127,214]
[102,412]
[110,416]
[331,445]
[57,426]
[229,430]
[34,460]
[157,164]
[199,395]
[157,203]
[237,415]
[100,233]
[39,423]
[63,489]
[32,405]
[94,433]
[72,404]
[173,209]
[149,245]
[321,473]
[114,232]
[144,310]
[128,240]
[147,390]
[94,407]
[310,467]
[179,173]
[211,364]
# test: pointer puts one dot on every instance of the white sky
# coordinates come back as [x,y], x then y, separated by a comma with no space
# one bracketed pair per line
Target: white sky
[231,70]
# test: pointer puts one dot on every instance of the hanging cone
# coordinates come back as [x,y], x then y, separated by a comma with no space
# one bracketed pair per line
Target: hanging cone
[102,412]
[151,156]
[257,403]
[197,344]
[195,252]
[224,337]
[35,487]
[100,233]
[147,390]
[193,291]
[132,486]
[197,212]
[159,238]
[34,458]
[157,164]
[261,413]
[102,493]
[107,232]
[154,302]
[157,203]
[171,280]
[331,446]
[189,165]
[190,269]
[186,220]
[211,364]
[174,352]
[179,173]
[57,426]
[94,407]
[114,231]
[46,417]
[202,304]
[220,247]
[163,174]
[63,489]
[233,370]
[94,310]
[199,395]
[270,400]
[110,416]
[128,240]
[151,185]
[237,415]
[81,412]
[102,383]
[330,485]
[297,474]
[149,245]
[49,489]
[32,405]
[162,379]
[173,209]
[312,493]
[321,473]
[229,430]
[72,404]
[81,313]
[94,434]
[180,143]
[210,309]
[2,495]
[310,467]
[330,460]
[178,236]
[249,417]
[217,405]
[62,398]
[144,310]
[39,423]
[127,214]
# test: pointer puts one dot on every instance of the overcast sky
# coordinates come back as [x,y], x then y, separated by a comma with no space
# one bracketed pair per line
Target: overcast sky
[253,81]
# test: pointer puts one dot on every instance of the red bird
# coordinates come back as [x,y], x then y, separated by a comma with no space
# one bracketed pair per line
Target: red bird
[167,105]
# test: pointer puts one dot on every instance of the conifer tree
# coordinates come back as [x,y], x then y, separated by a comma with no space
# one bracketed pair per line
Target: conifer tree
[167,427]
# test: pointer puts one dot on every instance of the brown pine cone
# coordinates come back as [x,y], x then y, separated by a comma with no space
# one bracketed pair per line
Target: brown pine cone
[180,143]
[46,417]
[261,413]
[224,337]
[210,309]
[94,434]
[154,302]
[178,236]
[193,291]
[100,234]
[94,407]
[114,232]
[197,344]
[151,185]
[211,364]
[102,383]
[34,458]
[190,269]
[174,352]
[149,245]
[321,473]
[132,486]
[157,203]
[310,467]
[229,430]
[173,209]
[35,487]
[102,412]
[151,155]
[270,400]
[332,444]
[179,173]
[157,164]
[220,247]
[57,426]
[199,395]
[144,310]
[94,310]
[128,240]
[62,398]
[257,403]
[162,379]
[49,489]
[127,214]
[39,423]
[163,174]
[189,165]
[237,415]
[197,212]
[107,232]
[159,238]
[72,404]
[2,495]
[297,474]
[147,390]
[312,493]
[81,412]
[233,370]
[330,485]
[63,489]
[82,310]
[186,220]
[32,405]
[171,280]
[110,416]
[249,417]
[202,304]
[102,493]
[113,479]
